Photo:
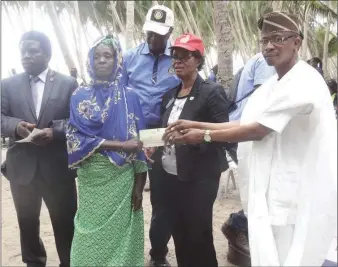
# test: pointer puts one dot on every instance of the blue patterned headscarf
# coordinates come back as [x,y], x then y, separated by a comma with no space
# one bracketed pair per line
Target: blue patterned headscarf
[103,110]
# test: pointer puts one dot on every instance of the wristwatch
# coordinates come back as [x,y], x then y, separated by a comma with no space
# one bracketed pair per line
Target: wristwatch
[207,137]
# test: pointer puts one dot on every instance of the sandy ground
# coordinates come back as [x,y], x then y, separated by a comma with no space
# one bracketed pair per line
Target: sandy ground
[11,253]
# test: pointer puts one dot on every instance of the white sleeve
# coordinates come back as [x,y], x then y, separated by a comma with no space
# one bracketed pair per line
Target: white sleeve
[284,104]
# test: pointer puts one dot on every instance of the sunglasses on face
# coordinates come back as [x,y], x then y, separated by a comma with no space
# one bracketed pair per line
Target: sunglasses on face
[275,40]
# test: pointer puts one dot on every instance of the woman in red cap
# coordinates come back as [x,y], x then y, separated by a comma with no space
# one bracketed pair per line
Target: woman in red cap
[189,175]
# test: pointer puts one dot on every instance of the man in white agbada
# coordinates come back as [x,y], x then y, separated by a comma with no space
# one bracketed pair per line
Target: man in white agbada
[288,158]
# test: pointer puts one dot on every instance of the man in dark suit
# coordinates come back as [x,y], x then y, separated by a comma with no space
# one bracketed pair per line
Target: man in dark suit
[39,98]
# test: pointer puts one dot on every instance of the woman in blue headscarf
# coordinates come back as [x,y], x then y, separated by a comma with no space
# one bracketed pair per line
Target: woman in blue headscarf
[105,118]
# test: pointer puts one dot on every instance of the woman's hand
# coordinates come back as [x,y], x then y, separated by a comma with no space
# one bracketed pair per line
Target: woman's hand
[182,125]
[137,195]
[132,146]
[169,138]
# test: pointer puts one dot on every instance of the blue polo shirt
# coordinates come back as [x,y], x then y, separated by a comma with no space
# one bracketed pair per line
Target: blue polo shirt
[150,77]
[256,71]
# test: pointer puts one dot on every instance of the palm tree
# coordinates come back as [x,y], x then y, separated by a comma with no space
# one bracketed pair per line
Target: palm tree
[224,43]
[198,17]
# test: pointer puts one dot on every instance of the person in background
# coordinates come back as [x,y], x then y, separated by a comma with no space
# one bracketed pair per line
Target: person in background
[38,170]
[234,86]
[73,73]
[255,72]
[332,84]
[190,174]
[148,71]
[287,154]
[105,119]
[232,92]
[213,74]
[317,64]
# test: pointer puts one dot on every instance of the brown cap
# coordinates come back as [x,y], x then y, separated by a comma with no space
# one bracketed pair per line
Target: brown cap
[278,22]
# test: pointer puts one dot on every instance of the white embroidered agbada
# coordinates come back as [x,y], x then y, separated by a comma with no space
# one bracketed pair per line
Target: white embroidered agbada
[288,180]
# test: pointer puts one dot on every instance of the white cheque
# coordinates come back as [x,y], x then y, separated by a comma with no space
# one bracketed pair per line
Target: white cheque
[152,137]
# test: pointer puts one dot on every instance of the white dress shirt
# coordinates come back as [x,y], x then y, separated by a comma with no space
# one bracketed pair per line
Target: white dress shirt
[169,152]
[40,88]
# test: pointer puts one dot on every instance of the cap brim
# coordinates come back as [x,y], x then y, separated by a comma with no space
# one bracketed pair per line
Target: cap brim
[185,46]
[150,26]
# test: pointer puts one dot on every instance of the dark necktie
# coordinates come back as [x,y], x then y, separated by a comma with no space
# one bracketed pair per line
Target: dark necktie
[155,69]
[34,88]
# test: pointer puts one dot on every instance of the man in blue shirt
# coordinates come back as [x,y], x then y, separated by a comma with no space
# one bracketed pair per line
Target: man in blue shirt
[148,66]
[255,72]
[148,70]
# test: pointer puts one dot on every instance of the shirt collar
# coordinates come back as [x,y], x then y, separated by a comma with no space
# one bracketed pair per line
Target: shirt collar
[145,50]
[42,76]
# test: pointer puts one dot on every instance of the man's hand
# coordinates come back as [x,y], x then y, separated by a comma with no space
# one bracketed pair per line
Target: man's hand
[44,137]
[23,129]
[149,151]
[182,125]
[190,136]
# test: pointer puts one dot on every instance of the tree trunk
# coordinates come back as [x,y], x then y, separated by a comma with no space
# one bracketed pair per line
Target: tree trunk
[326,46]
[130,24]
[224,43]
[51,11]
[306,32]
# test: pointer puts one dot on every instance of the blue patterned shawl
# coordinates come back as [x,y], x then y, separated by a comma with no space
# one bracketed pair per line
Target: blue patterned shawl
[103,111]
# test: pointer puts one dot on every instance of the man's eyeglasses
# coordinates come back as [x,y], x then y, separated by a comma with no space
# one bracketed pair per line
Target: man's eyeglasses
[275,39]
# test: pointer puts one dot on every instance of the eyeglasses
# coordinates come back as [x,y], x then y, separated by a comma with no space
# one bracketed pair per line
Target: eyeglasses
[275,40]
[184,57]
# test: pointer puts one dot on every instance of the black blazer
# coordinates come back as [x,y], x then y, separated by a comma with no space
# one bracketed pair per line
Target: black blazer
[23,160]
[206,102]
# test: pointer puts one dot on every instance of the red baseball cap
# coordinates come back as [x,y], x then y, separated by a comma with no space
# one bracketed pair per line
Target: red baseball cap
[189,42]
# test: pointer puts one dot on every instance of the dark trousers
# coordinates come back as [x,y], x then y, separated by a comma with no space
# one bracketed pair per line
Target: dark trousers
[188,207]
[238,220]
[61,201]
[232,151]
[159,233]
